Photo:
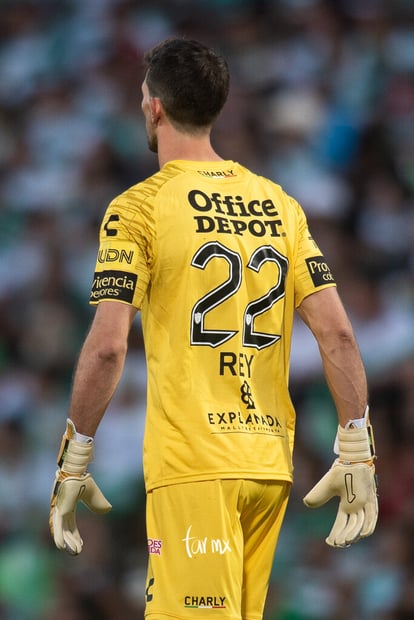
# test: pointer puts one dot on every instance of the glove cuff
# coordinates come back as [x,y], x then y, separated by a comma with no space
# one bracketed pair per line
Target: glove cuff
[356,445]
[74,456]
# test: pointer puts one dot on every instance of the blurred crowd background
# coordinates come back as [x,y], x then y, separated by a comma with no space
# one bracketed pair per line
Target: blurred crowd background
[322,102]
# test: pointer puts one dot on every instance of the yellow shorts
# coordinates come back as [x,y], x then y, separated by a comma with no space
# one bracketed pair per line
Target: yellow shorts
[211,547]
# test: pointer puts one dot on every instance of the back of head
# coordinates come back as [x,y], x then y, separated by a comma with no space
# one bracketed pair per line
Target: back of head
[190,79]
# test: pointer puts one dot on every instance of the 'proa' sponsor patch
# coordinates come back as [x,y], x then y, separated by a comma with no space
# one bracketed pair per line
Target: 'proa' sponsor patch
[319,271]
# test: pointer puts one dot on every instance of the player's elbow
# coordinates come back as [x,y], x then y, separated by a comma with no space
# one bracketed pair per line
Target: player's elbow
[340,338]
[111,352]
[345,337]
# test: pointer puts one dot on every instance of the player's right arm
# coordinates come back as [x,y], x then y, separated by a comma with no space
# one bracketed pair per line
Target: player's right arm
[100,365]
[97,375]
[119,283]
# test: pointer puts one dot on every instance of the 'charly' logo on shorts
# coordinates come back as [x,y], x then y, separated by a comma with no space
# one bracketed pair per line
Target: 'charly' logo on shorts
[204,602]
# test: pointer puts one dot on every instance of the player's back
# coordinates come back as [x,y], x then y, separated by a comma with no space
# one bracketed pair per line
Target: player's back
[220,247]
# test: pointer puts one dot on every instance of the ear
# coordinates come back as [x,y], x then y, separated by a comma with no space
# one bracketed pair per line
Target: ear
[156,110]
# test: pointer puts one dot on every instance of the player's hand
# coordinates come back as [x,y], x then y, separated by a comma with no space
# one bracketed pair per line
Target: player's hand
[72,485]
[351,478]
[355,484]
[67,492]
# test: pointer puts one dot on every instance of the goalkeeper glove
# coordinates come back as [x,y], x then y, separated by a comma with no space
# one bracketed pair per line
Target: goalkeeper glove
[352,478]
[73,484]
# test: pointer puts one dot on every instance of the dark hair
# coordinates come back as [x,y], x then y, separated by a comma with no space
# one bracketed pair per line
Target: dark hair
[190,79]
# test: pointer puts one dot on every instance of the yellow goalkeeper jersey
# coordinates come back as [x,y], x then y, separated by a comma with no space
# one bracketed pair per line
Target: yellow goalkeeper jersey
[216,258]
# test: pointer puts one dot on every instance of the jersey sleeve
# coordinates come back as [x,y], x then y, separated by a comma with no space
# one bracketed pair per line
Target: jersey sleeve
[122,270]
[312,273]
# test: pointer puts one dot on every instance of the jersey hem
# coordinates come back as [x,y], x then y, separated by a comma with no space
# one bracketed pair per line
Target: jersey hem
[154,615]
[278,477]
[316,290]
[119,301]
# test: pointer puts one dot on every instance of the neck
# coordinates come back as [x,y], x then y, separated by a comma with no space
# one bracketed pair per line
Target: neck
[173,144]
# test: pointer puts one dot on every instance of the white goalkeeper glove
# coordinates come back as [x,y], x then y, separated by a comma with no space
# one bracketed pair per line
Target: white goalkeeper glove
[73,484]
[352,478]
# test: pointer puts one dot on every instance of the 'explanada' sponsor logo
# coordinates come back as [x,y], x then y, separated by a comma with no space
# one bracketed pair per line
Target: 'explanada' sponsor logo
[113,284]
[236,421]
[204,602]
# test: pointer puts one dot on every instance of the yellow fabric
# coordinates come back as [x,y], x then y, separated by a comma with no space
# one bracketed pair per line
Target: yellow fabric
[216,258]
[211,546]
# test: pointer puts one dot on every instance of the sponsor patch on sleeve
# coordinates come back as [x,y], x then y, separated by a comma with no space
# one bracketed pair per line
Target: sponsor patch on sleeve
[113,285]
[319,271]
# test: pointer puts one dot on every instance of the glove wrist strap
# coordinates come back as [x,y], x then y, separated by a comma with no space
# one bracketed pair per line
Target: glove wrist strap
[74,456]
[356,445]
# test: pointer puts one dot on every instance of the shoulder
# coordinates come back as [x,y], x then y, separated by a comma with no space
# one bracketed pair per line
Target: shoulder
[147,190]
[274,187]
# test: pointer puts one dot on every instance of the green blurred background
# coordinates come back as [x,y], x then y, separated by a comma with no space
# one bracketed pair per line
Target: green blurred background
[322,102]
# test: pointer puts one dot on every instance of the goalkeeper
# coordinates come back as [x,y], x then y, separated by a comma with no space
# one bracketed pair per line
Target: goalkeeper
[217,259]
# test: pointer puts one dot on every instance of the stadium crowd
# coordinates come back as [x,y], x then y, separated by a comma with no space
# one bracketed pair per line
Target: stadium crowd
[322,101]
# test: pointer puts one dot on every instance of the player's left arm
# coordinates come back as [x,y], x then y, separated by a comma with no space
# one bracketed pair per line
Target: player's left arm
[352,475]
[325,315]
